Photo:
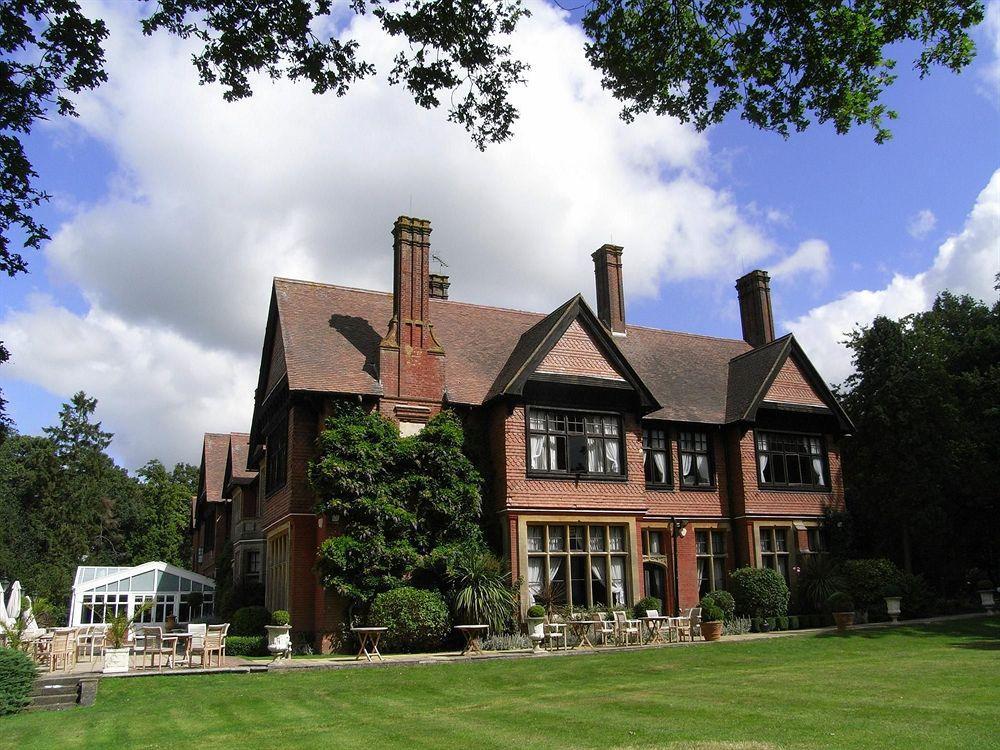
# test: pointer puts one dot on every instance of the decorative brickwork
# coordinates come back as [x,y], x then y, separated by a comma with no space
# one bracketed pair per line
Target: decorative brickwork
[791,387]
[576,353]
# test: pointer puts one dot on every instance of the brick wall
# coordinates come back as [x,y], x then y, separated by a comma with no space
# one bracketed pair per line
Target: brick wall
[791,387]
[678,501]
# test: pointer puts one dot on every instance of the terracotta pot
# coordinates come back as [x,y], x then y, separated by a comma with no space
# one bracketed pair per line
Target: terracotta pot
[844,620]
[712,631]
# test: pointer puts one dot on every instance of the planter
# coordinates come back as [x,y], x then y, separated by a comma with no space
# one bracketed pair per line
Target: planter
[844,620]
[892,606]
[536,631]
[987,599]
[116,660]
[279,641]
[711,631]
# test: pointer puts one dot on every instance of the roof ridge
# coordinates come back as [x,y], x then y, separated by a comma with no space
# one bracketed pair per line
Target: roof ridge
[686,333]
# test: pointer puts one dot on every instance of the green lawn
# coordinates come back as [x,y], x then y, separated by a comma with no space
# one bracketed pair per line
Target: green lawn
[930,687]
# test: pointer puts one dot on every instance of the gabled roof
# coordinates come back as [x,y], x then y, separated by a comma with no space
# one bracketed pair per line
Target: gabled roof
[331,334]
[752,374]
[236,465]
[212,475]
[538,341]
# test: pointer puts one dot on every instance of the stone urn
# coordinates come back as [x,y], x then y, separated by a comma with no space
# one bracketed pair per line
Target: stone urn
[987,597]
[711,631]
[536,632]
[116,660]
[892,605]
[279,641]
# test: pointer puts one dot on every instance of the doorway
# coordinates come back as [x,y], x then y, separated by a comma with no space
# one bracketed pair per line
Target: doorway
[655,579]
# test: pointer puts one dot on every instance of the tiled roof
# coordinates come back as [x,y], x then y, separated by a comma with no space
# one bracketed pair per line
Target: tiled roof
[749,372]
[239,448]
[331,336]
[215,453]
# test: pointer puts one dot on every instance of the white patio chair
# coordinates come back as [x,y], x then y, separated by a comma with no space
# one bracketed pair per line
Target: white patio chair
[607,628]
[626,628]
[555,633]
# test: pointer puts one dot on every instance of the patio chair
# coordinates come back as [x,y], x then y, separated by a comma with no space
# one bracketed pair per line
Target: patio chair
[626,628]
[607,628]
[555,633]
[90,641]
[213,643]
[690,625]
[197,631]
[156,647]
[62,648]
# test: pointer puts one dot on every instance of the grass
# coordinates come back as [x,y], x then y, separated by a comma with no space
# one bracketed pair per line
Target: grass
[906,687]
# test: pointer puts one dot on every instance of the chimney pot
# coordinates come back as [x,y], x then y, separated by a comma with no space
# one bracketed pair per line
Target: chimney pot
[610,293]
[754,290]
[439,286]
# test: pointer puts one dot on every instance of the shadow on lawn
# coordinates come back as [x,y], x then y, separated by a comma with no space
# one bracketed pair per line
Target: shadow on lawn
[981,633]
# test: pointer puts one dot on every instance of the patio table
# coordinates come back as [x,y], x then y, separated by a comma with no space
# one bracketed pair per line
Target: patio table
[580,629]
[654,628]
[472,633]
[369,637]
[674,626]
[181,639]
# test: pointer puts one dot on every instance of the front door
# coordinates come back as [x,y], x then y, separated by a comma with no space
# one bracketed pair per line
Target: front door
[655,578]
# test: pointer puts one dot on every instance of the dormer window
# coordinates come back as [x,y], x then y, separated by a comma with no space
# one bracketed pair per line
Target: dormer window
[572,442]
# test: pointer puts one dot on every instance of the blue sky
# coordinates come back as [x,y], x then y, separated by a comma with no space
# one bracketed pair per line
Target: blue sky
[172,210]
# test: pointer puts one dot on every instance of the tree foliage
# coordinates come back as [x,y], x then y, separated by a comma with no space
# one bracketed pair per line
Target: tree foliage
[399,502]
[64,502]
[921,470]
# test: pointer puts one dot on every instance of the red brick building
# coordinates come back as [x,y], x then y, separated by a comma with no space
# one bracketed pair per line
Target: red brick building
[626,460]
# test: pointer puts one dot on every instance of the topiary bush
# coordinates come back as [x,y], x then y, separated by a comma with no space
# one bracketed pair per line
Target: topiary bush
[249,621]
[710,611]
[759,592]
[865,580]
[724,601]
[17,673]
[536,610]
[246,645]
[840,602]
[280,617]
[417,619]
[649,602]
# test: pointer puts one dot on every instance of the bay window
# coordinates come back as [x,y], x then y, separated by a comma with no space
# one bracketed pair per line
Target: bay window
[582,565]
[696,459]
[791,460]
[570,442]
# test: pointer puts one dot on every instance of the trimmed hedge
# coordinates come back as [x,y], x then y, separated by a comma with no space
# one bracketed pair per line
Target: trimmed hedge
[649,602]
[249,621]
[246,645]
[417,619]
[724,601]
[17,673]
[867,578]
[759,592]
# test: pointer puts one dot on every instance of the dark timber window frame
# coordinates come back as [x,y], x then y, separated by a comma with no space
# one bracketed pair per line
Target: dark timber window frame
[711,550]
[777,447]
[774,555]
[276,458]
[656,442]
[688,443]
[563,429]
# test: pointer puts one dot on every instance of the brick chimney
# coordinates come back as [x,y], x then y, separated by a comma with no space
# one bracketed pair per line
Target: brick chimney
[610,296]
[411,362]
[754,291]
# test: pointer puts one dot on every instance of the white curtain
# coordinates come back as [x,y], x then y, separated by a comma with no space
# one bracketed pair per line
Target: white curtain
[553,457]
[763,466]
[818,468]
[598,570]
[555,563]
[660,461]
[685,464]
[537,451]
[618,580]
[702,464]
[593,455]
[611,456]
[534,575]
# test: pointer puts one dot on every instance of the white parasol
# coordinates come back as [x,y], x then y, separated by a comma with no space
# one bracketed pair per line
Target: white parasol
[14,602]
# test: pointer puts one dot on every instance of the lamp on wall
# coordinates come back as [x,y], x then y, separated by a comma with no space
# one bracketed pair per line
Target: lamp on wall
[680,528]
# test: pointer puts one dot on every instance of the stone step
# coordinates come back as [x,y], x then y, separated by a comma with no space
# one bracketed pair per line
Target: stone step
[68,689]
[52,701]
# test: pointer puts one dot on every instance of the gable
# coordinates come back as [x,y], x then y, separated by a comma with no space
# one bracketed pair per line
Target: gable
[276,368]
[577,353]
[791,386]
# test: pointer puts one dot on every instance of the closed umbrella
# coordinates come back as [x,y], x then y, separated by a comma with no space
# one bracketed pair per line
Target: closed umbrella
[14,601]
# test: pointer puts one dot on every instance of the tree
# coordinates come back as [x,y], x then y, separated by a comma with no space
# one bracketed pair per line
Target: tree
[156,524]
[921,469]
[6,424]
[397,501]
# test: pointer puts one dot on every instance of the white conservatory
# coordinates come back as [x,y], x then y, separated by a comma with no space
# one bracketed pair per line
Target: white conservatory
[102,592]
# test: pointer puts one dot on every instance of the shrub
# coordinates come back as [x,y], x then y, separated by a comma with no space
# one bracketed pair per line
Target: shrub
[820,578]
[840,602]
[246,645]
[649,602]
[481,591]
[536,610]
[711,612]
[758,625]
[759,592]
[737,626]
[892,589]
[17,673]
[511,642]
[865,580]
[249,621]
[793,622]
[417,619]
[280,617]
[724,601]
[782,623]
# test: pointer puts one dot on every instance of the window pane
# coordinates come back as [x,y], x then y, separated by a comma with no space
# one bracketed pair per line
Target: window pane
[781,540]
[703,582]
[654,543]
[719,571]
[612,466]
[557,538]
[537,420]
[794,470]
[765,540]
[610,425]
[536,539]
[599,580]
[779,468]
[701,542]
[576,538]
[718,543]
[617,538]
[538,453]
[557,452]
[618,590]
[595,458]
[578,573]
[597,539]
[557,577]
[783,566]
[536,567]
[701,462]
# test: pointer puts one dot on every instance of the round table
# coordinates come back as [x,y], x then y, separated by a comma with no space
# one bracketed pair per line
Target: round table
[472,634]
[369,637]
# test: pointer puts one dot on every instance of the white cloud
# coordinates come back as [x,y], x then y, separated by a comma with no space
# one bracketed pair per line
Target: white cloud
[213,199]
[811,258]
[921,224]
[966,263]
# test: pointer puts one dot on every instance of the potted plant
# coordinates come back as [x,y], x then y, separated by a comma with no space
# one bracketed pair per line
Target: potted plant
[842,608]
[536,625]
[711,620]
[893,596]
[279,639]
[986,594]
[116,648]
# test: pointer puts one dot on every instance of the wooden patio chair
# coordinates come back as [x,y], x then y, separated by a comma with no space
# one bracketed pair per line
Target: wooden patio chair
[555,632]
[690,625]
[607,628]
[62,648]
[626,628]
[155,646]
[213,643]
